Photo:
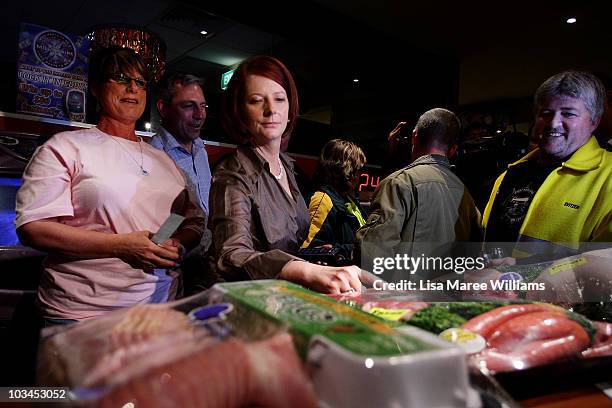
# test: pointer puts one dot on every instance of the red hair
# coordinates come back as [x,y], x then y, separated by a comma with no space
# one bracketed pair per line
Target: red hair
[233,112]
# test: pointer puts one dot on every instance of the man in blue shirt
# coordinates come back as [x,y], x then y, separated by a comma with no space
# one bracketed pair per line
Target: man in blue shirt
[182,107]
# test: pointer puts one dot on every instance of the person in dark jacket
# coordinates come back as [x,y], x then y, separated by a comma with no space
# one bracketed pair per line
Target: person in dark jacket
[423,210]
[335,215]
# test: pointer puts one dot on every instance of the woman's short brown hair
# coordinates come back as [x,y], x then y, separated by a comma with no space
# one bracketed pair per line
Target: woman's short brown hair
[115,60]
[339,162]
[233,118]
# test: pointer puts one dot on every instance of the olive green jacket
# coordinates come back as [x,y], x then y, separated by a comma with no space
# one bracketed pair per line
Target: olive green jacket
[417,209]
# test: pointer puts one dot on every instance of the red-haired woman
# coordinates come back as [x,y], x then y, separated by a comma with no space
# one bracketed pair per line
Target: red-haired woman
[258,216]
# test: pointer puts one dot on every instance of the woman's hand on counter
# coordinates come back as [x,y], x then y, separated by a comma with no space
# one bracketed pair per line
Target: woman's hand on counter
[324,279]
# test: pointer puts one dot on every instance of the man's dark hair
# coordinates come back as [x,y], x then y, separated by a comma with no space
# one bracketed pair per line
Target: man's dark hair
[438,128]
[166,85]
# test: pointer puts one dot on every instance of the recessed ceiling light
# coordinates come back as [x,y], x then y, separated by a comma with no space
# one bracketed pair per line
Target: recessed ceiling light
[571,20]
[356,80]
[203,32]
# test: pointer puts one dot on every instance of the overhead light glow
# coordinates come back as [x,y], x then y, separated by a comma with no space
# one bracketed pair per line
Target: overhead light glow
[147,126]
[203,32]
[356,80]
[571,20]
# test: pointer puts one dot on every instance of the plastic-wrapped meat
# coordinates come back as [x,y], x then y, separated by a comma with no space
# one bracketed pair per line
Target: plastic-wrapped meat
[388,300]
[532,340]
[229,374]
[486,323]
[603,341]
[145,321]
[532,327]
[123,328]
[134,359]
[67,356]
[523,336]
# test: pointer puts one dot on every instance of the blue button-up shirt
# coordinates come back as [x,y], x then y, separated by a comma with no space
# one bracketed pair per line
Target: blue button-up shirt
[194,164]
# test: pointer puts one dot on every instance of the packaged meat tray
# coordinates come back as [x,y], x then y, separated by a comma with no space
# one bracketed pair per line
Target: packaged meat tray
[355,359]
[499,336]
[155,356]
[230,346]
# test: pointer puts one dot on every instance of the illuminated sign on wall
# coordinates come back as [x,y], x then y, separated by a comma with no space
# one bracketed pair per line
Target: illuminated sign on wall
[225,78]
[368,182]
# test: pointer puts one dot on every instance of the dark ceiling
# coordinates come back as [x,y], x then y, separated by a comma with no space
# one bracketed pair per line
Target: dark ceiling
[409,56]
[472,27]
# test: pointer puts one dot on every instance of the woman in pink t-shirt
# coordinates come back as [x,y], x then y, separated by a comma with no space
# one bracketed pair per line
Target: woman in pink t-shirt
[90,199]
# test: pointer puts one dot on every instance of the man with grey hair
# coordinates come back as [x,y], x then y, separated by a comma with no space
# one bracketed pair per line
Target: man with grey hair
[559,196]
[182,107]
[423,207]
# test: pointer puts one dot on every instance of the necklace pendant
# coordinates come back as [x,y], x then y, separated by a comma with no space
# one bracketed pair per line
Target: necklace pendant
[144,172]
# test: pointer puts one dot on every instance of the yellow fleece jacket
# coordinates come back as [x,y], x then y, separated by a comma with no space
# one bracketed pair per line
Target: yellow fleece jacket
[574,204]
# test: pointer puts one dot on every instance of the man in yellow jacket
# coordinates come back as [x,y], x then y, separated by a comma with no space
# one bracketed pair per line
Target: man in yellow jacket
[559,196]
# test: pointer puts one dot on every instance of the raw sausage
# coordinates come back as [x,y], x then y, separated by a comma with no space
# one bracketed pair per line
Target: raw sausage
[532,354]
[486,323]
[531,327]
[603,341]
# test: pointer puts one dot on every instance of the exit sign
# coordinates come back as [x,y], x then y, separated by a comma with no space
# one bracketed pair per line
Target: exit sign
[225,78]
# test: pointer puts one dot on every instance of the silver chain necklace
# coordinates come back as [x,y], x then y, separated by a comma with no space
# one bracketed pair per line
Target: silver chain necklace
[280,164]
[280,175]
[144,171]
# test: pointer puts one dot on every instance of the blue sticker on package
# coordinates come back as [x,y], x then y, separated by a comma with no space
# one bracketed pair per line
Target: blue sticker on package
[51,73]
[510,276]
[209,312]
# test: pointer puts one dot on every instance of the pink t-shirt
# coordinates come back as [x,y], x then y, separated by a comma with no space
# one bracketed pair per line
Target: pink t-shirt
[91,180]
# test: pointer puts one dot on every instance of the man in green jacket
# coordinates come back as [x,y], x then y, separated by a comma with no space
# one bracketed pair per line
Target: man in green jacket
[423,209]
[559,196]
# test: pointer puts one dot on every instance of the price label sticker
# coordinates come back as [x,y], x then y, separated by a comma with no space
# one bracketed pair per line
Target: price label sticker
[567,265]
[389,314]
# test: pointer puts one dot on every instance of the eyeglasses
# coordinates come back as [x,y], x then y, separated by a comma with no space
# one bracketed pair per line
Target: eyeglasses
[123,79]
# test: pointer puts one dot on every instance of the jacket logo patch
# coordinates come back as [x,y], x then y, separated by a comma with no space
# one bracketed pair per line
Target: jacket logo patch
[571,205]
